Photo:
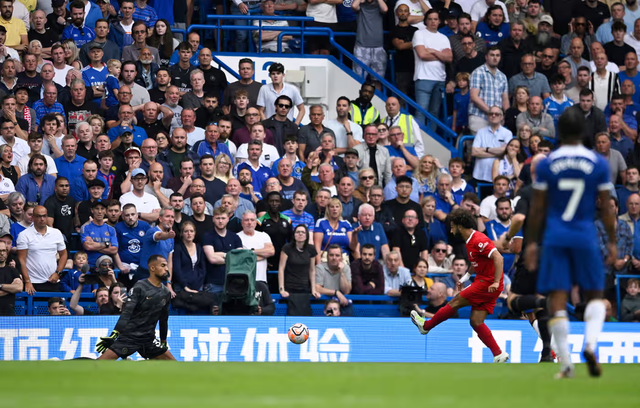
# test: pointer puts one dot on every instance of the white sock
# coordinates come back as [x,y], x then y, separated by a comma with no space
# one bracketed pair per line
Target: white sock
[535,327]
[594,316]
[559,328]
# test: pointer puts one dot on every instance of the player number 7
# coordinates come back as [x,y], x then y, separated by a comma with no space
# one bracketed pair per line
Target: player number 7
[577,189]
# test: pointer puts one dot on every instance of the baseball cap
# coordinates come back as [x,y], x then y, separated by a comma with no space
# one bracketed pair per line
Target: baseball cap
[6,234]
[138,172]
[276,67]
[546,19]
[96,183]
[93,45]
[353,152]
[132,149]
[99,203]
[57,3]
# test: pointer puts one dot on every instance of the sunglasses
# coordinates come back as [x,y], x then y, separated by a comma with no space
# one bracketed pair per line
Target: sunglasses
[443,251]
[282,105]
[367,177]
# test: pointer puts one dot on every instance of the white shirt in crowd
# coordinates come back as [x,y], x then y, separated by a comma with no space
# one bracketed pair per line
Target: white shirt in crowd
[42,251]
[195,136]
[269,154]
[430,70]
[20,148]
[268,95]
[60,76]
[145,204]
[341,133]
[23,164]
[257,241]
[414,10]
[480,7]
[6,185]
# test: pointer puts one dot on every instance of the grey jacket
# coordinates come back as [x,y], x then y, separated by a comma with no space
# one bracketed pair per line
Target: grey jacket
[536,124]
[383,161]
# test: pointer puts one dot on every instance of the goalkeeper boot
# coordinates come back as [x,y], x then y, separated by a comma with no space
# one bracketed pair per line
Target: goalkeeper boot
[418,321]
[592,363]
[501,358]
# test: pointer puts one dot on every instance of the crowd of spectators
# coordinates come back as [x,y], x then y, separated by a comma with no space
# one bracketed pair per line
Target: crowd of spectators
[118,142]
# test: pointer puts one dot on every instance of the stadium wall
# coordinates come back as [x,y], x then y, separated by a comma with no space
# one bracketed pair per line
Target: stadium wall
[337,339]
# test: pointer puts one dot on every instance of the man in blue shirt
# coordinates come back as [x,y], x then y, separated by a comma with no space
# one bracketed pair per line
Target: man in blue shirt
[131,232]
[446,201]
[98,238]
[298,215]
[69,165]
[210,144]
[157,240]
[371,232]
[77,30]
[259,172]
[399,168]
[125,116]
[79,189]
[496,228]
[397,148]
[37,185]
[216,244]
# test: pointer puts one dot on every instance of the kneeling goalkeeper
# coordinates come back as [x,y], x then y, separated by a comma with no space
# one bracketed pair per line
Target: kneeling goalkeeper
[136,328]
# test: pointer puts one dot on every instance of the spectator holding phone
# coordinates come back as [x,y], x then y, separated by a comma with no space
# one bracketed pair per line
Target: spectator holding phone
[57,307]
[101,298]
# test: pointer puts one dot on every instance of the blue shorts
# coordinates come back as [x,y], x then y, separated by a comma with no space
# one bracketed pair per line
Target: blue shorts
[562,268]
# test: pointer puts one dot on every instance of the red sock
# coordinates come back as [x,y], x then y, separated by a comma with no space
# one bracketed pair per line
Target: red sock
[485,335]
[441,315]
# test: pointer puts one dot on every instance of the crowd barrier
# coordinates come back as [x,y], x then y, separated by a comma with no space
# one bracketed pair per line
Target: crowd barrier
[332,339]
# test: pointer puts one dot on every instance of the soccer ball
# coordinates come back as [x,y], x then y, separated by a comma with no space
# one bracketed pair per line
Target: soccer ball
[298,333]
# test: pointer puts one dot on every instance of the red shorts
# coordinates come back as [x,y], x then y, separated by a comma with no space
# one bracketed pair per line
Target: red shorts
[479,296]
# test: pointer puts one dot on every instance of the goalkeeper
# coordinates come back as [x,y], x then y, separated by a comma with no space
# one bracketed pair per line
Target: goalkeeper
[136,328]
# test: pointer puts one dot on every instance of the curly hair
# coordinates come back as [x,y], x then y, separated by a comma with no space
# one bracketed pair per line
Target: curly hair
[462,218]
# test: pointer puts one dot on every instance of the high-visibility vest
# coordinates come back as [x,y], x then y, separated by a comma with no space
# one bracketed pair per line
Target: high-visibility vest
[405,122]
[370,116]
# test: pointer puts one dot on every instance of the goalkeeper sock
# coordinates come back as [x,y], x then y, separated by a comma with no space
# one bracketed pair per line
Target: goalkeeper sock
[543,332]
[441,315]
[486,336]
[559,328]
[594,316]
[527,302]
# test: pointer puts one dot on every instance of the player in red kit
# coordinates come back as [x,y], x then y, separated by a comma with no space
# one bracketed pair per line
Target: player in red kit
[482,294]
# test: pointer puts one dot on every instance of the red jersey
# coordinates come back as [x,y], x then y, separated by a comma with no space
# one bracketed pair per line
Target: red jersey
[479,250]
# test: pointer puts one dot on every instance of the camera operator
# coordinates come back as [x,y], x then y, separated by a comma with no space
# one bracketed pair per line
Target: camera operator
[57,307]
[117,295]
[101,298]
[332,308]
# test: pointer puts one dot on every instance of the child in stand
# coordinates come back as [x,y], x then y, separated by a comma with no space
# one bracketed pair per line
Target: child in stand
[112,86]
[460,122]
[69,282]
[105,161]
[630,307]
[557,102]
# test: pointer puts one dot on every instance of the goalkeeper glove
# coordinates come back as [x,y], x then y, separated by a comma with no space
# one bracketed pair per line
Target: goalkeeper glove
[164,345]
[106,342]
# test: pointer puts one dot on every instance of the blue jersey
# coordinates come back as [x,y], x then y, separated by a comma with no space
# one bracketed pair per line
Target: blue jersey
[111,84]
[555,107]
[492,37]
[130,241]
[572,176]
[152,247]
[95,77]
[259,175]
[461,104]
[80,36]
[98,233]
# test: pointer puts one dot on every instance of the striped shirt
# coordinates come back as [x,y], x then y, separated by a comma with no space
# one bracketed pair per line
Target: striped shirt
[147,14]
[42,110]
[491,88]
[304,218]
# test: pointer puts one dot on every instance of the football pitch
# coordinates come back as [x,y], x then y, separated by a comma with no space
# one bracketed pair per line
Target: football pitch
[83,384]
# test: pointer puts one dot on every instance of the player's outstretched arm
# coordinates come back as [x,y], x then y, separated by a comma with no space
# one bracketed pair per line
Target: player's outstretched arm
[164,324]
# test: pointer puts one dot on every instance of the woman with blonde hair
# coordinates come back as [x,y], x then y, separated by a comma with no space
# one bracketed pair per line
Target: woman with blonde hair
[508,165]
[367,179]
[333,230]
[383,134]
[35,48]
[427,174]
[71,54]
[8,171]
[434,229]
[524,135]
[223,167]
[97,125]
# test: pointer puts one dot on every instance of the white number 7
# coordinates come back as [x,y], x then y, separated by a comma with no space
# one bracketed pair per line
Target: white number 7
[577,189]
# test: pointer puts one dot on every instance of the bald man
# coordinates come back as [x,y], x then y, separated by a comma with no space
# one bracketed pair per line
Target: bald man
[541,123]
[407,123]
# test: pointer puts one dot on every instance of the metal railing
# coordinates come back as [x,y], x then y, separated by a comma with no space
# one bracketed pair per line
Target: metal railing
[444,135]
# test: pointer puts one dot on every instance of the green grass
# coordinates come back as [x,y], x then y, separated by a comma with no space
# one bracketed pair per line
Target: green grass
[87,384]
